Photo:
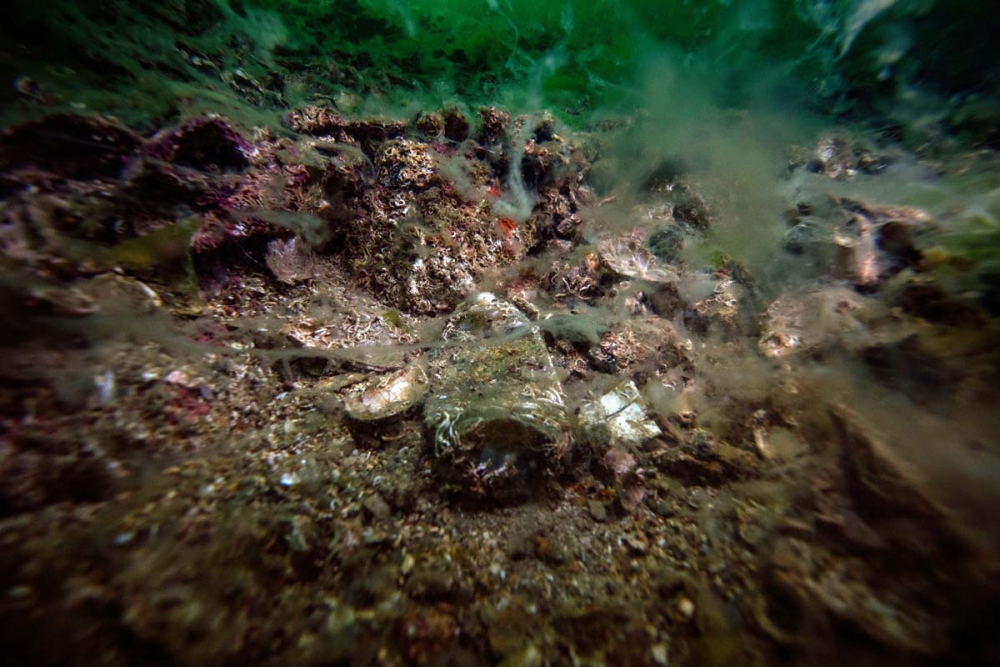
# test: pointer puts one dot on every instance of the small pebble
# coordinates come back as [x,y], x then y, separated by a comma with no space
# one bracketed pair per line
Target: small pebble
[597,510]
[377,508]
[408,562]
[664,509]
[635,546]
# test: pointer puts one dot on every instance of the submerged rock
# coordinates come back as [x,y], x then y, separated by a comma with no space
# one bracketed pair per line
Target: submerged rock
[202,143]
[401,163]
[290,260]
[810,585]
[68,144]
[725,310]
[324,121]
[484,316]
[495,417]
[493,125]
[703,460]
[456,125]
[885,482]
[431,125]
[420,242]
[840,157]
[667,242]
[854,241]
[581,281]
[639,348]
[898,350]
[810,321]
[629,257]
[830,250]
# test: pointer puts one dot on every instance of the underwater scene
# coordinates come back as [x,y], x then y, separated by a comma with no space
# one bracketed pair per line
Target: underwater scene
[500,332]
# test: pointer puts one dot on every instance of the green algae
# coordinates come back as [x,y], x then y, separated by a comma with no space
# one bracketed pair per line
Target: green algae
[163,255]
[254,58]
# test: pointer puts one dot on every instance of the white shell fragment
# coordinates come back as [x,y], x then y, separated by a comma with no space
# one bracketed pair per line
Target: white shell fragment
[620,416]
[387,396]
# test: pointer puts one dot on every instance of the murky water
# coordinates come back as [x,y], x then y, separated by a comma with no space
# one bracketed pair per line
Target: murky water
[376,332]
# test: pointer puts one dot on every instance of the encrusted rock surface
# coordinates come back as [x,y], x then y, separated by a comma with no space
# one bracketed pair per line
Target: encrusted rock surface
[495,415]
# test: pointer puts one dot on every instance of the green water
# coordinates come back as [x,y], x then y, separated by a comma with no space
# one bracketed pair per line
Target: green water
[906,62]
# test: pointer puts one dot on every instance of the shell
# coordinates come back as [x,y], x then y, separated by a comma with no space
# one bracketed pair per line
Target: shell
[387,396]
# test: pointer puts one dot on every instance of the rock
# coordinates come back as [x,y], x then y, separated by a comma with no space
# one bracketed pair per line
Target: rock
[628,256]
[885,479]
[485,316]
[619,418]
[618,462]
[900,236]
[833,156]
[208,144]
[722,311]
[153,191]
[701,445]
[702,460]
[640,348]
[675,197]
[495,416]
[528,656]
[598,510]
[70,145]
[401,163]
[407,565]
[843,594]
[290,260]
[493,125]
[456,125]
[811,321]
[814,583]
[549,160]
[912,365]
[341,620]
[635,546]
[323,121]
[924,297]
[855,241]
[828,250]
[385,397]
[431,125]
[664,508]
[62,301]
[377,508]
[839,156]
[581,281]
[685,607]
[421,245]
[667,242]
